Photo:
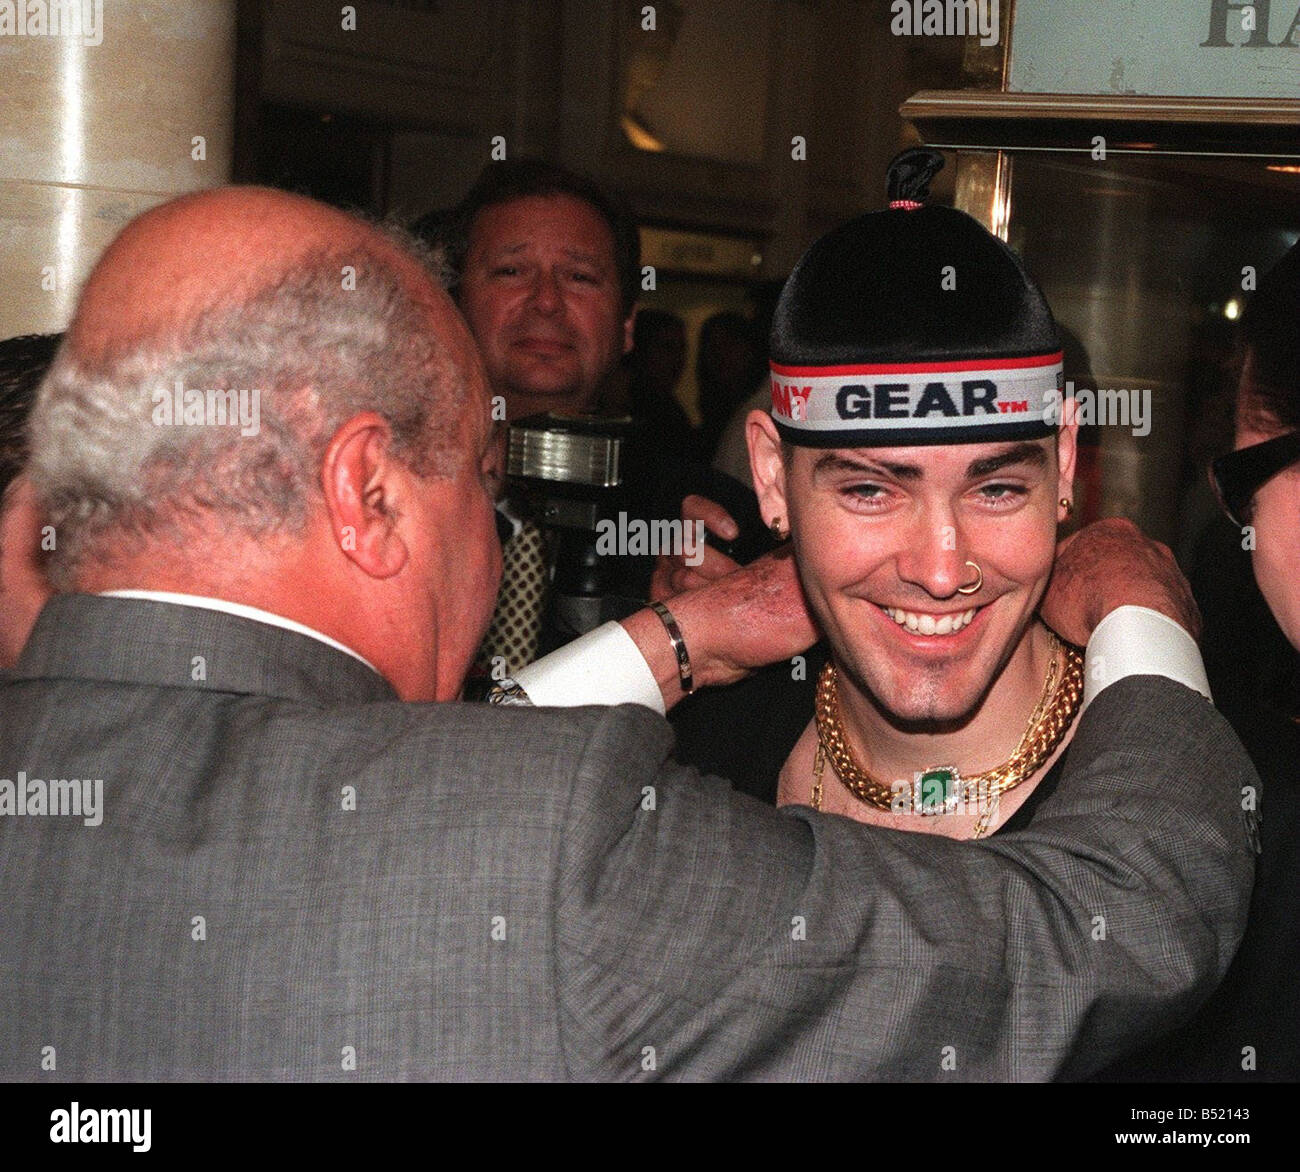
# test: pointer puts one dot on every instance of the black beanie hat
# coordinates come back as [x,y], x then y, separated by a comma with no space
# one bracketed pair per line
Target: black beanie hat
[913,326]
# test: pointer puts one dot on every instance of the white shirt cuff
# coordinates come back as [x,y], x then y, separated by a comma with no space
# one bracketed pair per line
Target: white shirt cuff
[1138,641]
[603,667]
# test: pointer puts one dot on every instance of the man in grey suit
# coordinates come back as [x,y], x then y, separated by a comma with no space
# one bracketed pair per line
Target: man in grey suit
[238,842]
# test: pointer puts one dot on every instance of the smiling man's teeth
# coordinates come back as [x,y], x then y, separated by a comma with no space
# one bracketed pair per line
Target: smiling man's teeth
[930,624]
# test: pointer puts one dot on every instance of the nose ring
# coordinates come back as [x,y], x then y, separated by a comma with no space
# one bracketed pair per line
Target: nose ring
[979,581]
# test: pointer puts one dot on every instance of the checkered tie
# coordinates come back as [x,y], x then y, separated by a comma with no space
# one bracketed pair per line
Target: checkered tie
[516,626]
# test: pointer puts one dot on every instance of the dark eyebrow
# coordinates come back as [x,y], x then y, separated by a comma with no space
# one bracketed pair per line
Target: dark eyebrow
[574,254]
[836,462]
[1022,453]
[586,257]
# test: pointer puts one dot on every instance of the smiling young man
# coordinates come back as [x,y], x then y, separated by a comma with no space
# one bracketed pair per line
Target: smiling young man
[925,566]
[919,457]
[915,459]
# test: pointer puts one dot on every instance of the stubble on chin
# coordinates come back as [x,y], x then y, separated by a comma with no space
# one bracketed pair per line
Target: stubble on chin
[930,706]
[920,699]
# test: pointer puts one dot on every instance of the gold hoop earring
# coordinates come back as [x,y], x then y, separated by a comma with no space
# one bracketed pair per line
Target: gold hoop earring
[979,581]
[778,534]
[1068,505]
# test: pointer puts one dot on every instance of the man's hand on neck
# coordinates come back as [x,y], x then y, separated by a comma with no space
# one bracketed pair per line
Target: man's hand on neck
[757,614]
[1110,564]
[732,626]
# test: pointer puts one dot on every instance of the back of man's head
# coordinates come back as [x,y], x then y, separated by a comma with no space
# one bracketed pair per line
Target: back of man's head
[214,413]
[265,400]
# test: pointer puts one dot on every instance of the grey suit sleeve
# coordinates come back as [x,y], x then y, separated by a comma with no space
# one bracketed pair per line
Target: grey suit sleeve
[703,935]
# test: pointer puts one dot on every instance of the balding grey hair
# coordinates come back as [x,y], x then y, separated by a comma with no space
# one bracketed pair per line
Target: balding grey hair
[337,336]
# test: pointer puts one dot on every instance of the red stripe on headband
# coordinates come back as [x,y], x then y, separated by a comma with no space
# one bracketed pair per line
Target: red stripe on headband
[1039,360]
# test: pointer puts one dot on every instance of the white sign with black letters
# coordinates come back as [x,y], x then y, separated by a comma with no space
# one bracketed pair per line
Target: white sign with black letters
[1192,48]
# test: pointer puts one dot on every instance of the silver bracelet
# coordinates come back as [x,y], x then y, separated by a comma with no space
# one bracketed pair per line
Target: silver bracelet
[679,646]
[508,694]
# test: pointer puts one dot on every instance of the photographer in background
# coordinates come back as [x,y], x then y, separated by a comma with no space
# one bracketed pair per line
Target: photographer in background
[546,268]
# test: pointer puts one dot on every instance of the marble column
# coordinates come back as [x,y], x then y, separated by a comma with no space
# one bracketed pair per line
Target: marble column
[96,128]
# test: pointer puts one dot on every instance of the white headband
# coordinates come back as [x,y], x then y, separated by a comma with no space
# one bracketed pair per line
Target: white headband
[894,404]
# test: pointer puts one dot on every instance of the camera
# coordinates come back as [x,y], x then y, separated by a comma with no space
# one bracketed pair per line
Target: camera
[566,471]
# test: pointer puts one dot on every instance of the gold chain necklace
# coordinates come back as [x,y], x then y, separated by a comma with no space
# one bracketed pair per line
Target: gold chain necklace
[981,827]
[938,790]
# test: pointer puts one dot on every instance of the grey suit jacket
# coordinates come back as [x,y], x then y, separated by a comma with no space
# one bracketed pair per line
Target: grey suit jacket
[298,877]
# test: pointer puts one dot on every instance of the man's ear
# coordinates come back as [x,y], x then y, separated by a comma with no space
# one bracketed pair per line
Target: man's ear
[629,324]
[1067,449]
[363,483]
[767,466]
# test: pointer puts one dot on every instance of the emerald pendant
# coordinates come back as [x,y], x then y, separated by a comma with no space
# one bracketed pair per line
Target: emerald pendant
[936,789]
